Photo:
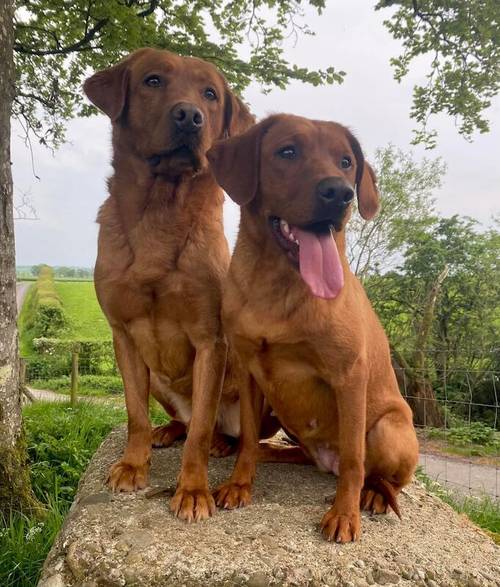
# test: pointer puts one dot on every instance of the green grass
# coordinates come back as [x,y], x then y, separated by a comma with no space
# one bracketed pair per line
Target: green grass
[482,510]
[61,441]
[85,317]
[474,439]
[88,385]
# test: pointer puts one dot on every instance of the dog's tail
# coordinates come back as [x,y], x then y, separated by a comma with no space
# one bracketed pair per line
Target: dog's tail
[386,489]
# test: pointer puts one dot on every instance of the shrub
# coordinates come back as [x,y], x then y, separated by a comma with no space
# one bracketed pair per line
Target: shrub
[42,367]
[466,435]
[476,433]
[43,313]
[95,356]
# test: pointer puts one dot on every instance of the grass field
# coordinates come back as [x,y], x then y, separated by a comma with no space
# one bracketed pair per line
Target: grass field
[86,320]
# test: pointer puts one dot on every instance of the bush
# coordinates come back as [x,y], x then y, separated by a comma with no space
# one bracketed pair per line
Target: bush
[95,356]
[47,367]
[475,434]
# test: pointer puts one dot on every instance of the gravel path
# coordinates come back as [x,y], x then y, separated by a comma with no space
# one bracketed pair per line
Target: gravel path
[22,288]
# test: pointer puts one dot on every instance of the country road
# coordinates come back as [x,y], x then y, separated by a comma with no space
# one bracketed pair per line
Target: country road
[462,476]
[22,288]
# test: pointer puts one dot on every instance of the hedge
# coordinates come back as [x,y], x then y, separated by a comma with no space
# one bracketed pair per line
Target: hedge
[96,356]
[43,315]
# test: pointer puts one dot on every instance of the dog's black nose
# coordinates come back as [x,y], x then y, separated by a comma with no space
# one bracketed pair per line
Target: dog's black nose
[187,117]
[335,190]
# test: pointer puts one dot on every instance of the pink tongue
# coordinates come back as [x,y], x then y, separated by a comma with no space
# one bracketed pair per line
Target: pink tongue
[319,262]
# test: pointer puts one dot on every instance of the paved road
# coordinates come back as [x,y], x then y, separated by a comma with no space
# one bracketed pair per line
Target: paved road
[462,476]
[51,396]
[21,290]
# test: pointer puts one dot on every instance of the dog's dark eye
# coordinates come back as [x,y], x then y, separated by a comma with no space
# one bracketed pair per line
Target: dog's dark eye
[288,152]
[153,81]
[210,94]
[346,162]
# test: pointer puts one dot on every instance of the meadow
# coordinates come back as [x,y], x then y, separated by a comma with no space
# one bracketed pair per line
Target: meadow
[58,317]
[84,315]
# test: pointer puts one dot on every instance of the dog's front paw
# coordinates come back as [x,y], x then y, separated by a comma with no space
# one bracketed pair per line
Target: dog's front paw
[233,495]
[192,505]
[125,476]
[341,526]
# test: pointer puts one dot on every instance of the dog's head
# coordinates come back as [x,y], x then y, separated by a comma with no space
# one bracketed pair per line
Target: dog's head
[168,109]
[299,177]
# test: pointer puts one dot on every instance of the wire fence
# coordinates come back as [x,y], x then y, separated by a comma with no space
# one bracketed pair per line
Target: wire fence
[455,404]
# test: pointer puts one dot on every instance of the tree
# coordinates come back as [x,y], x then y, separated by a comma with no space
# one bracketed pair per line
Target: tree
[15,489]
[440,309]
[462,40]
[407,204]
[58,42]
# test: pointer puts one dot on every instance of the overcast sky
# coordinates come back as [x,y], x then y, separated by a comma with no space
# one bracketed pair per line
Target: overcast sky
[350,36]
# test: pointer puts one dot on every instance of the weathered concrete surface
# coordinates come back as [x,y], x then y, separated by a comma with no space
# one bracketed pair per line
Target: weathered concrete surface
[115,540]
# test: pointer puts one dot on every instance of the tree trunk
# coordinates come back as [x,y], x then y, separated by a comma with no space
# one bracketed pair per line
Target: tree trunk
[414,379]
[15,488]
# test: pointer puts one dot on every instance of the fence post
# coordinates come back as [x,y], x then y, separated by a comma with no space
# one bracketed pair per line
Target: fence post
[74,374]
[22,380]
[22,371]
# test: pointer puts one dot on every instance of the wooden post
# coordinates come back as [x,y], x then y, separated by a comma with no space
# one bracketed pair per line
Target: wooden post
[74,374]
[22,371]
[22,380]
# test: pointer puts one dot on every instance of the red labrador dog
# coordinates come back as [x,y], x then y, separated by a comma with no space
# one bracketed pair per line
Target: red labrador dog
[301,322]
[162,257]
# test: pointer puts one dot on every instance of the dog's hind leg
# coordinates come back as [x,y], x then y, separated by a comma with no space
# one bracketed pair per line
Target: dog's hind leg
[223,445]
[272,453]
[391,459]
[167,434]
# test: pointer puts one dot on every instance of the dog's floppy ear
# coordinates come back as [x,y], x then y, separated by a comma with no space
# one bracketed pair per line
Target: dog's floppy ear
[368,196]
[366,182]
[235,163]
[237,117]
[108,89]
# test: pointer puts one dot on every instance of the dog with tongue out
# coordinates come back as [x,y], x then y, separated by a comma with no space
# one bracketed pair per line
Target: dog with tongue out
[301,324]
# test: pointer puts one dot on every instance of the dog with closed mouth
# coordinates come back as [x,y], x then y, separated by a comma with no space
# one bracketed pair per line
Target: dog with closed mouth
[300,321]
[162,257]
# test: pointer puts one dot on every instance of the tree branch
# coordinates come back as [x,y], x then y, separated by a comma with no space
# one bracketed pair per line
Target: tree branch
[80,45]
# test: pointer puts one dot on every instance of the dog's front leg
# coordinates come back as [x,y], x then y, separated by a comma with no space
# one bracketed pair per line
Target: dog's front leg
[342,521]
[131,471]
[192,500]
[237,491]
